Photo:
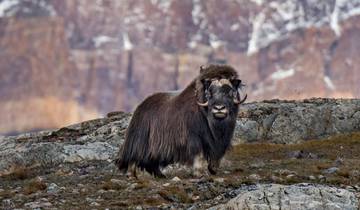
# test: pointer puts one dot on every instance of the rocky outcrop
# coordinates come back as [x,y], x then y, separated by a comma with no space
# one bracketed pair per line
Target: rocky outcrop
[299,196]
[92,140]
[294,121]
[93,58]
[283,122]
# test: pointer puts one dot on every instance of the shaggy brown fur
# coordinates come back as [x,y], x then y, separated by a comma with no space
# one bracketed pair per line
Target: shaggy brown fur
[171,128]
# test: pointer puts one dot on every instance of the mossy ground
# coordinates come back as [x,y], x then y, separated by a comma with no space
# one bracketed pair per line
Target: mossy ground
[307,159]
[95,186]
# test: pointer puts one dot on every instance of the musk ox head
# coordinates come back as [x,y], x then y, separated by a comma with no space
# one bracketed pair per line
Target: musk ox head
[219,94]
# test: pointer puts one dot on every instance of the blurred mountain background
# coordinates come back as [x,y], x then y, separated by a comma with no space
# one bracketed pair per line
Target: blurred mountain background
[63,62]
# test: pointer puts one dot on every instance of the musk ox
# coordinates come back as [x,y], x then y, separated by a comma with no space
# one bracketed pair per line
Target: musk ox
[180,127]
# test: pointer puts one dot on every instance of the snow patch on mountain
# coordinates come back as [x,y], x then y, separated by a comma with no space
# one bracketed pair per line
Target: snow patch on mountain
[328,82]
[7,5]
[277,19]
[215,42]
[282,74]
[10,8]
[164,5]
[102,39]
[334,19]
[255,35]
[258,2]
[197,13]
[126,42]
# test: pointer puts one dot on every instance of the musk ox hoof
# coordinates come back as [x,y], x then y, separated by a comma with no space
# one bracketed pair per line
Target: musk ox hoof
[131,177]
[156,173]
[160,175]
[198,173]
[212,171]
[131,174]
[199,166]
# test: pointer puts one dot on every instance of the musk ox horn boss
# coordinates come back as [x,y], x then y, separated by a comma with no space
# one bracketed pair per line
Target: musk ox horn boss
[172,127]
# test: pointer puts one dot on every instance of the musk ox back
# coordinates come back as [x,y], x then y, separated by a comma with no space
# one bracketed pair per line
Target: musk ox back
[174,127]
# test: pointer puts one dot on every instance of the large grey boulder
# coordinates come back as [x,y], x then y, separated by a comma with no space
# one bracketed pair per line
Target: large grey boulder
[295,121]
[92,140]
[295,197]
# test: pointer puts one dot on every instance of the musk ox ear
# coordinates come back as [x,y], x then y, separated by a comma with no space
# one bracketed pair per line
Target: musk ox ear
[206,83]
[236,83]
[238,100]
[203,68]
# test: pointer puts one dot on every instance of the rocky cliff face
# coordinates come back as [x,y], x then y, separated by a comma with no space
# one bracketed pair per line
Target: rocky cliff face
[36,89]
[107,55]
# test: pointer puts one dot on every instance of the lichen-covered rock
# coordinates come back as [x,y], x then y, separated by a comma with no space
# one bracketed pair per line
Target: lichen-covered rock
[294,121]
[299,196]
[91,140]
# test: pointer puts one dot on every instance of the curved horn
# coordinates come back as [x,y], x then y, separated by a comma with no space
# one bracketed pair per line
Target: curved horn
[203,104]
[240,102]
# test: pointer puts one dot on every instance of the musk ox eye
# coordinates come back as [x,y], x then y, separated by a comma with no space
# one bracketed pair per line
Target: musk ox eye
[208,94]
[234,94]
[206,83]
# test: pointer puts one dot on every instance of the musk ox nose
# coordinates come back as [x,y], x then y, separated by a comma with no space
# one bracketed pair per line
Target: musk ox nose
[219,107]
[219,111]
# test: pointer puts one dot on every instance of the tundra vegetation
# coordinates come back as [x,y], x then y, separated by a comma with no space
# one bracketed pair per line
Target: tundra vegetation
[332,161]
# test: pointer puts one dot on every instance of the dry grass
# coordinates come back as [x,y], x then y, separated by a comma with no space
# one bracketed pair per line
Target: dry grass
[109,185]
[175,194]
[5,194]
[18,172]
[34,185]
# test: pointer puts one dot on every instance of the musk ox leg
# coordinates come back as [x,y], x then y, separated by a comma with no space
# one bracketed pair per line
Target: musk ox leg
[154,170]
[159,174]
[213,165]
[132,173]
[198,166]
[122,165]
